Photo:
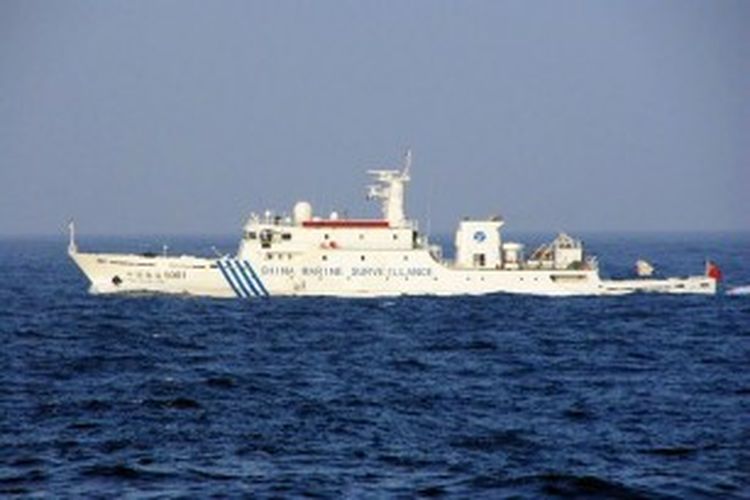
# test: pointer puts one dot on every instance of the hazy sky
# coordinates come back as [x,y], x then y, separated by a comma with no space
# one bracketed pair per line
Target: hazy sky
[182,117]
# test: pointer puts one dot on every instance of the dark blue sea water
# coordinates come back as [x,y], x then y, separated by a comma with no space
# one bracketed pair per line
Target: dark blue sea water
[497,396]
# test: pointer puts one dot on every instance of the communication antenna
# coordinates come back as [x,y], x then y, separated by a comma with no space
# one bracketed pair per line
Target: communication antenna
[72,247]
[407,162]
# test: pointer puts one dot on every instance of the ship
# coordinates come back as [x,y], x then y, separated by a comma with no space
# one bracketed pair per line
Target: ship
[303,254]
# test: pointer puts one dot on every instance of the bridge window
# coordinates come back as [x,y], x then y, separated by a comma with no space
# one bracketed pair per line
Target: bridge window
[286,236]
[479,260]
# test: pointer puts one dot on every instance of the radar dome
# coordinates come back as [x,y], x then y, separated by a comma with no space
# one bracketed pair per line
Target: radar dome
[302,212]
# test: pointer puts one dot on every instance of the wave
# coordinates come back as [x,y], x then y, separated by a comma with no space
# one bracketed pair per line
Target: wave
[123,471]
[739,290]
[553,484]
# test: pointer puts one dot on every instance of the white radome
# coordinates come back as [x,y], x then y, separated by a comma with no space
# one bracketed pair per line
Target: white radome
[311,256]
[302,212]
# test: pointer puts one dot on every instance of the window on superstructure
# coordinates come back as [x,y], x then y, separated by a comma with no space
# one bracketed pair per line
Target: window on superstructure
[325,257]
[395,236]
[361,236]
[325,236]
[286,236]
[479,260]
[362,258]
[251,235]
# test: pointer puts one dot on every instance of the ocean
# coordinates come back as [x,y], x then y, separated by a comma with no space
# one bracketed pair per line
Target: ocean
[495,396]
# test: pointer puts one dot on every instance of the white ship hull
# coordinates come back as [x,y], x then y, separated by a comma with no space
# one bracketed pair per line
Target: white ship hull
[304,255]
[346,275]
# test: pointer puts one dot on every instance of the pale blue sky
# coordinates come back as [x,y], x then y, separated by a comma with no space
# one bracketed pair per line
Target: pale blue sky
[182,117]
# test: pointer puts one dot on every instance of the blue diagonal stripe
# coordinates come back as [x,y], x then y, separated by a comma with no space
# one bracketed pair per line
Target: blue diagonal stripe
[229,280]
[247,279]
[255,276]
[237,277]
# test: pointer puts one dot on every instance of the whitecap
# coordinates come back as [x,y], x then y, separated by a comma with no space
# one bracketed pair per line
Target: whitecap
[739,290]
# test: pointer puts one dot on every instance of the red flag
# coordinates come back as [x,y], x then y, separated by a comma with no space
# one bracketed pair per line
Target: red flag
[713,271]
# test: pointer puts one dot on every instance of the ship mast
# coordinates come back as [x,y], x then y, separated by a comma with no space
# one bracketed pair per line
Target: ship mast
[390,190]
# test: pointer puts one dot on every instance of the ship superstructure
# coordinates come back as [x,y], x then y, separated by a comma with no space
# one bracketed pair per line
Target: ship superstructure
[306,254]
